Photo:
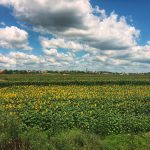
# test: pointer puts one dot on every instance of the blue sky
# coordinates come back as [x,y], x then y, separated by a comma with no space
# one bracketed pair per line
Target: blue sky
[135,10]
[107,35]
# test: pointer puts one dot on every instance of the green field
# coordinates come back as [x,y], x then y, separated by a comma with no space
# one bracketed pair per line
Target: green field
[75,111]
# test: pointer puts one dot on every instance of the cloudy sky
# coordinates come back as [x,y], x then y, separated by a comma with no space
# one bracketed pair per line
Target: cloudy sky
[100,35]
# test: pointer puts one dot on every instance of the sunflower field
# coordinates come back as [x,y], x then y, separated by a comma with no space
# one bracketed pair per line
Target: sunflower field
[99,104]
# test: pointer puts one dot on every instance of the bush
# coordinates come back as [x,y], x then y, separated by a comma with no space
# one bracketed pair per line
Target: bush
[76,140]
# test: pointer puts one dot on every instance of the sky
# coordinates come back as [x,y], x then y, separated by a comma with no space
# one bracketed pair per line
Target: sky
[98,35]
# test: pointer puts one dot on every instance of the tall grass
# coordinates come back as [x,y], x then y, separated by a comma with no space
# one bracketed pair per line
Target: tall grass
[14,135]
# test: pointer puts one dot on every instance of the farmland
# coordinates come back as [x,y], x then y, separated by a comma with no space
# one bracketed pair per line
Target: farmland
[103,105]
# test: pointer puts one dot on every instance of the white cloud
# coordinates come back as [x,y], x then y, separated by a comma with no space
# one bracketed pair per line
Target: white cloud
[2,23]
[20,60]
[112,33]
[4,59]
[148,42]
[60,43]
[24,58]
[6,62]
[72,46]
[54,60]
[108,41]
[140,54]
[75,20]
[60,58]
[14,38]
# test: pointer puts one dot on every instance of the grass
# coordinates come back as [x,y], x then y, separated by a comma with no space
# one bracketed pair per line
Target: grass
[15,135]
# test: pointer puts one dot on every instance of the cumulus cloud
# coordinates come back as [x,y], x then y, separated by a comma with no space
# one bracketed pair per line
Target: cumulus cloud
[51,58]
[14,38]
[148,42]
[55,60]
[4,59]
[140,54]
[20,60]
[46,13]
[20,55]
[76,20]
[56,43]
[107,41]
[2,23]
[58,58]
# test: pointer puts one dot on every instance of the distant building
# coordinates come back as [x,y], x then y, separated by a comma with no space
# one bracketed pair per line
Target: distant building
[2,71]
[44,71]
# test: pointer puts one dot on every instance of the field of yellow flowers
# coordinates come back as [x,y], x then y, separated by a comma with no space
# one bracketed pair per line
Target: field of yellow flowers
[99,104]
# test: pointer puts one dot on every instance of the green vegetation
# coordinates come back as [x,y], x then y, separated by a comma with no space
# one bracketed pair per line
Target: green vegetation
[74,111]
